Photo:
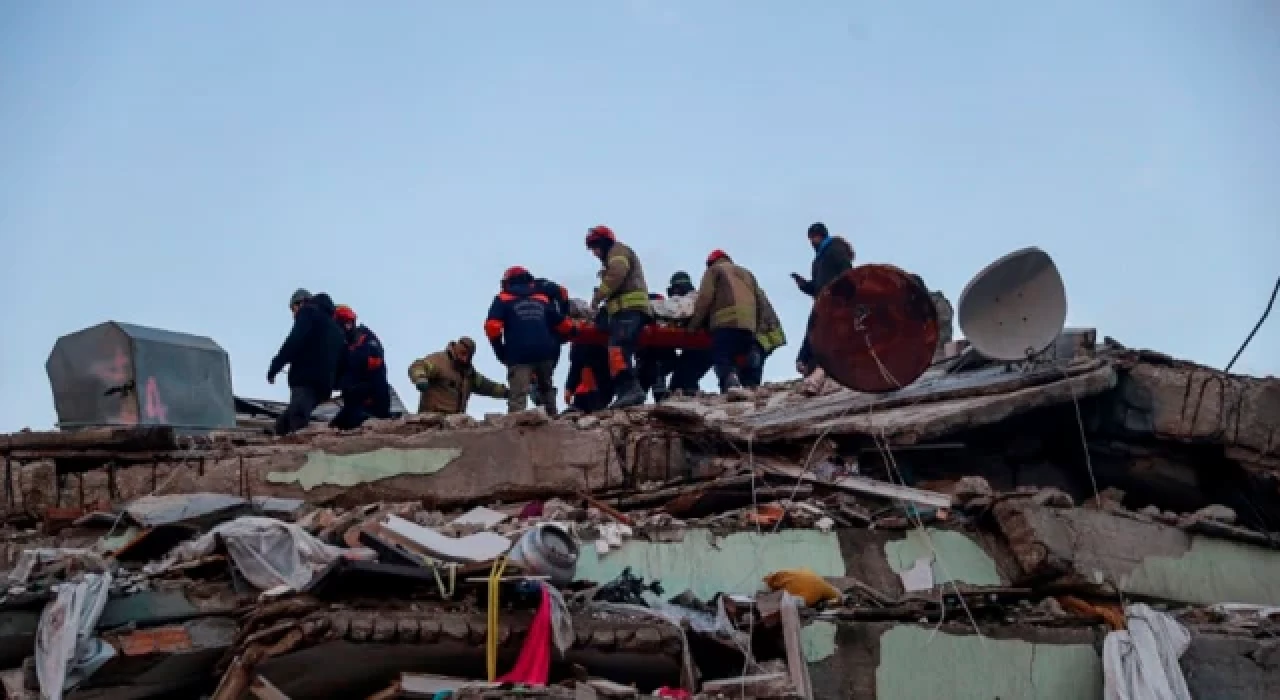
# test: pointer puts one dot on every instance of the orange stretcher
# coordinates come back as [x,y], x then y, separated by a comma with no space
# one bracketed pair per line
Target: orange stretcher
[653,336]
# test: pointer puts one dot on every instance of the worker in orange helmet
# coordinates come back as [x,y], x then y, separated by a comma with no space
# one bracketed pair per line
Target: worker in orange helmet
[365,391]
[525,329]
[625,297]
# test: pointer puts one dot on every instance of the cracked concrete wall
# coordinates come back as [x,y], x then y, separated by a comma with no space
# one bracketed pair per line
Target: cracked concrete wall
[708,564]
[1087,546]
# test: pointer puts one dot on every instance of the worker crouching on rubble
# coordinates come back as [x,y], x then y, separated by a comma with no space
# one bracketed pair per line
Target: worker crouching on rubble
[589,387]
[447,379]
[525,331]
[832,256]
[625,297]
[365,391]
[727,305]
[315,352]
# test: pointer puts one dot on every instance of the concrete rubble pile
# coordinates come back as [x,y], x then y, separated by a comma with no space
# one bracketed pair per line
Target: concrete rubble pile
[1063,529]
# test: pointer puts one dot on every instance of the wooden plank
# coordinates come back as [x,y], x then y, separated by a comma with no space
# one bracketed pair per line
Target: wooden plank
[863,485]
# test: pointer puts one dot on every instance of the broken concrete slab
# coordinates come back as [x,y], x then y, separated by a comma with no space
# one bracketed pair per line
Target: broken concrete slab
[1088,547]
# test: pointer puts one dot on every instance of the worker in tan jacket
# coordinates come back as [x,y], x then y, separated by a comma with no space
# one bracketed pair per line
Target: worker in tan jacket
[447,379]
[769,337]
[625,297]
[727,305]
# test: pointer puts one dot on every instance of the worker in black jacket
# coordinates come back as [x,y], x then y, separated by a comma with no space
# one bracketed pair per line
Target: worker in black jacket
[832,257]
[589,386]
[365,391]
[315,352]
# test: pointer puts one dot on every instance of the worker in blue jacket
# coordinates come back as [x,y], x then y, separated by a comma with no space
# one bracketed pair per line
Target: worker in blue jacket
[365,391]
[525,331]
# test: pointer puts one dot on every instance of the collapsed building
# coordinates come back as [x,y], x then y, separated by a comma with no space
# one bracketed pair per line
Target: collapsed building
[993,529]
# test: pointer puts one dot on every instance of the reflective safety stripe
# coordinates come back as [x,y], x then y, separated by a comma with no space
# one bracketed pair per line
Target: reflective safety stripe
[772,340]
[731,316]
[638,301]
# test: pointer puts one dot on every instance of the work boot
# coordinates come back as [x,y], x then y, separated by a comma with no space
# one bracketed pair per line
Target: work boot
[629,394]
[548,403]
[728,379]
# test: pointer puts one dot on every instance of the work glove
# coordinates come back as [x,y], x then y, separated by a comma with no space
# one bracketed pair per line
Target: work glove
[422,386]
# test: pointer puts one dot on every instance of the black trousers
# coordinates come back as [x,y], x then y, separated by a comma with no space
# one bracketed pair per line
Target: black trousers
[730,347]
[624,340]
[302,401]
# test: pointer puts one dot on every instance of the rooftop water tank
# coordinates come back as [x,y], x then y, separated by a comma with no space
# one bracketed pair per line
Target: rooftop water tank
[120,374]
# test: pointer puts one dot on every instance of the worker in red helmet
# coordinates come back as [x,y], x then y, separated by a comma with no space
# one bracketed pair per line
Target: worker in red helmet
[525,331]
[727,305]
[625,298]
[365,391]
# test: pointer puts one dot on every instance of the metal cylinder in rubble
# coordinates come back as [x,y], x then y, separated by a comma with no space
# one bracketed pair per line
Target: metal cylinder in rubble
[547,550]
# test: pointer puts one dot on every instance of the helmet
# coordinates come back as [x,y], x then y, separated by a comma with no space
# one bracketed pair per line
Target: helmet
[599,234]
[514,272]
[715,255]
[344,314]
[299,297]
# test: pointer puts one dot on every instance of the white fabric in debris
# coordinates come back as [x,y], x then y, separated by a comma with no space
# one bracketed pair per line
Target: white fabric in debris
[561,621]
[1141,663]
[67,653]
[267,552]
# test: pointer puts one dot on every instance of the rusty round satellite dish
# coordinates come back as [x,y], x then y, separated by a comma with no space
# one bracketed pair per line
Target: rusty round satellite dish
[874,329]
[1015,307]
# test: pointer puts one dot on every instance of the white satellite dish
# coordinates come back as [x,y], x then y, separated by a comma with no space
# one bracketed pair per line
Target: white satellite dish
[1015,307]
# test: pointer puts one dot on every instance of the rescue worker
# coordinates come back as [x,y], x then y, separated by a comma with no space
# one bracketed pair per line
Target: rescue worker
[769,337]
[525,331]
[589,387]
[559,297]
[315,352]
[365,391]
[832,256]
[727,305]
[447,379]
[686,366]
[946,316]
[625,297]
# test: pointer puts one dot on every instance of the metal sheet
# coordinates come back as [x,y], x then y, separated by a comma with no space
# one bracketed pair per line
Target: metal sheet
[874,329]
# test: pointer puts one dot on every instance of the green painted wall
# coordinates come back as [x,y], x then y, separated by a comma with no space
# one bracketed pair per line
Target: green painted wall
[916,663]
[1212,571]
[349,470]
[958,556]
[707,564]
[818,641]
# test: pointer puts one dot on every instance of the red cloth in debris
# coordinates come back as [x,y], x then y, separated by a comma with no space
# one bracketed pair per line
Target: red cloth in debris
[534,664]
[532,509]
[674,693]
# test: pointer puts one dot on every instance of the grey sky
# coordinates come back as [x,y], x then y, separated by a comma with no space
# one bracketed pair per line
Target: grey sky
[187,165]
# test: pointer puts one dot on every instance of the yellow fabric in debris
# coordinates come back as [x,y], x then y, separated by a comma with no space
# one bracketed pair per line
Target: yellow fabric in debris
[491,634]
[803,583]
